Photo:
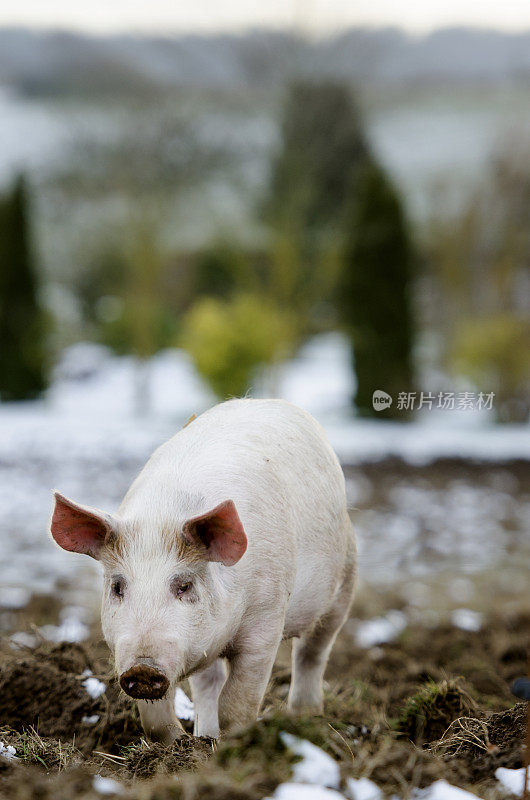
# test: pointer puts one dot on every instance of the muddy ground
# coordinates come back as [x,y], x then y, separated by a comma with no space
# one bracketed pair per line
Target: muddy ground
[434,703]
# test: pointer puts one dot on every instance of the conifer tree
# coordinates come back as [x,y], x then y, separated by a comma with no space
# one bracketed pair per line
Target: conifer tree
[22,374]
[375,291]
[322,146]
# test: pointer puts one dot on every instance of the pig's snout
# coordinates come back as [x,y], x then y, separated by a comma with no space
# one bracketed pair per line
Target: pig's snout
[144,683]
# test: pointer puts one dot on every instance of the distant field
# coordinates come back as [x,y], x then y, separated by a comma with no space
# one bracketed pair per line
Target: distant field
[426,137]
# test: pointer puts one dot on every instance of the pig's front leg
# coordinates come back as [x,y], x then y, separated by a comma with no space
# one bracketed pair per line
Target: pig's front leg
[206,687]
[159,720]
[249,671]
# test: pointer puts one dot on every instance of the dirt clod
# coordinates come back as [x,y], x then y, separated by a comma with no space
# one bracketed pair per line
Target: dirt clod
[430,711]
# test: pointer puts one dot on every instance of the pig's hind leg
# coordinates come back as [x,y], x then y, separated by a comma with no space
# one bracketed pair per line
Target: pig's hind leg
[311,652]
[206,687]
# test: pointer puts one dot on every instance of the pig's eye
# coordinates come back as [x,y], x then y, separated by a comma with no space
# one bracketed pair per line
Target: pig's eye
[117,586]
[179,587]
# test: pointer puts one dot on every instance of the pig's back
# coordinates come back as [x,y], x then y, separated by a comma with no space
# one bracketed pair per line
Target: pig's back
[275,462]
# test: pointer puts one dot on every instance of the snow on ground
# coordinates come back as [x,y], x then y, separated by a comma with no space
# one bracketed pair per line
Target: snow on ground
[71,626]
[107,785]
[92,384]
[372,632]
[441,790]
[512,779]
[317,777]
[315,766]
[90,720]
[301,791]
[362,789]
[429,438]
[183,705]
[466,619]
[8,752]
[86,440]
[94,687]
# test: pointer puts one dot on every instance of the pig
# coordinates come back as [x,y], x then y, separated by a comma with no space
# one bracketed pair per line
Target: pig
[234,536]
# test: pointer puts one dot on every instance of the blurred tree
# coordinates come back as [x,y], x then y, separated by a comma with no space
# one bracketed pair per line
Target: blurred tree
[222,269]
[374,290]
[230,339]
[479,266]
[322,149]
[22,355]
[103,275]
[322,144]
[141,322]
[494,351]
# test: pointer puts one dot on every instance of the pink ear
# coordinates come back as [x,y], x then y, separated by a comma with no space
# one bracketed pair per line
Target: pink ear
[220,531]
[78,528]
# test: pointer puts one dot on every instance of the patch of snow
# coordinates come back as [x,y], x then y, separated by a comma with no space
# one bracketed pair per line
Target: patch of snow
[71,629]
[304,791]
[316,766]
[8,751]
[319,378]
[183,705]
[106,384]
[14,597]
[466,619]
[23,639]
[94,687]
[441,790]
[372,632]
[90,720]
[106,785]
[418,442]
[512,779]
[362,789]
[81,361]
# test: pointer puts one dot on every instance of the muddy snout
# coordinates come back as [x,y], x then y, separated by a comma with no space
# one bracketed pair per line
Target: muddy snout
[144,683]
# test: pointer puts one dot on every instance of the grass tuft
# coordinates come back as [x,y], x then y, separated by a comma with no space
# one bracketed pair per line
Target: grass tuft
[428,713]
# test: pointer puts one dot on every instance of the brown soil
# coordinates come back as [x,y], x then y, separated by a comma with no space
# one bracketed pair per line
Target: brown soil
[187,753]
[434,704]
[43,690]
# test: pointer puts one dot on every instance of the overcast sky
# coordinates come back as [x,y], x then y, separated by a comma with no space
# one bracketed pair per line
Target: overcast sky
[316,15]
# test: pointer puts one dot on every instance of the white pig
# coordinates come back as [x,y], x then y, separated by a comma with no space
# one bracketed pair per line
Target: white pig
[234,536]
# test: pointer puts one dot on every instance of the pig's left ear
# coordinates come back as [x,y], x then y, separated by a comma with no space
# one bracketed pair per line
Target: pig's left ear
[219,532]
[80,529]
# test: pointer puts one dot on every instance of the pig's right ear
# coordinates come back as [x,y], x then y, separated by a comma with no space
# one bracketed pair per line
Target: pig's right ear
[80,529]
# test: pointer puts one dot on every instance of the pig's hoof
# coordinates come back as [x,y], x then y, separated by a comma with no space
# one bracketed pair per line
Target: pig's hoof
[144,683]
